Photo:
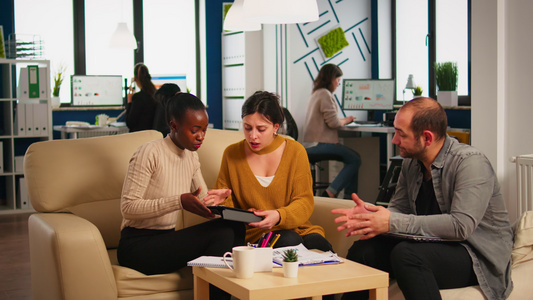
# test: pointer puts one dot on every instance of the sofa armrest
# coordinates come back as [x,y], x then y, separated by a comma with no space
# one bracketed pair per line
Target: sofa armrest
[68,259]
[322,216]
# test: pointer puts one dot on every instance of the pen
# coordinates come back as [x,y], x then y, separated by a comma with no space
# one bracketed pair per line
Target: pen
[260,241]
[275,240]
[265,242]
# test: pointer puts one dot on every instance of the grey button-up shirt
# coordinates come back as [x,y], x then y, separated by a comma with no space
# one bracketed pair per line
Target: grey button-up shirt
[473,212]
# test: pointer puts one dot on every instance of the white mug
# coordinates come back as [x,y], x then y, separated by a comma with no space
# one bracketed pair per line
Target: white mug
[243,261]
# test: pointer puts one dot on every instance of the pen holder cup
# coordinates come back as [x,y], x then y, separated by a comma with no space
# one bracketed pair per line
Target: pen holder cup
[263,259]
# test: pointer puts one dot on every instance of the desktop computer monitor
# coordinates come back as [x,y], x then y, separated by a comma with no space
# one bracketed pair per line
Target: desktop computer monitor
[179,79]
[368,94]
[96,90]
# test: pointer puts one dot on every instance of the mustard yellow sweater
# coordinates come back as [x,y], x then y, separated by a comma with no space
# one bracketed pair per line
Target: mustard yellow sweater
[290,192]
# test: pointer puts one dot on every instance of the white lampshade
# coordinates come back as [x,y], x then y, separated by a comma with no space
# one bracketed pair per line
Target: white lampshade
[410,82]
[280,11]
[235,19]
[123,38]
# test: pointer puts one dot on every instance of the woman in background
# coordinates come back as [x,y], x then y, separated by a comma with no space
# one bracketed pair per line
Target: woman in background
[161,120]
[270,175]
[321,131]
[140,108]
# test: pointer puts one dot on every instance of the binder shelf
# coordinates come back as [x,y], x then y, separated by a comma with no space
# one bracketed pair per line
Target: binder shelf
[25,118]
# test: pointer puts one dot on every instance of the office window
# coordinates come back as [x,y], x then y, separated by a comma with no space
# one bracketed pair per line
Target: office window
[170,38]
[52,21]
[101,19]
[429,31]
[411,50]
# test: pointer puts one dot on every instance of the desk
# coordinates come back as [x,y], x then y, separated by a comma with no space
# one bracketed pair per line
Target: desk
[92,131]
[378,129]
[312,282]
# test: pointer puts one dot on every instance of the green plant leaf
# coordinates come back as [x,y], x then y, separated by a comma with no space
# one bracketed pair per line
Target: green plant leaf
[446,76]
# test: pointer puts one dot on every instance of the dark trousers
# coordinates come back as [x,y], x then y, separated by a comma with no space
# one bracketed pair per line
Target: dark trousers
[420,268]
[165,251]
[310,241]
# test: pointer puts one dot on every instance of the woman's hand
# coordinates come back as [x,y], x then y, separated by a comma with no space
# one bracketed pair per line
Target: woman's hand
[271,218]
[347,120]
[215,197]
[190,202]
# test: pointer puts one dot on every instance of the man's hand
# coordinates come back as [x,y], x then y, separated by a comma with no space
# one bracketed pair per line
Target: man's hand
[190,202]
[215,197]
[271,218]
[363,219]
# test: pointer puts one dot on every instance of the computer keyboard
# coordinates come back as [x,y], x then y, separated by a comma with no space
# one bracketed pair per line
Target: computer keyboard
[365,122]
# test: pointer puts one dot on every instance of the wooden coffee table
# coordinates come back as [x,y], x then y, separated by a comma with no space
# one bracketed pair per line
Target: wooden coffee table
[312,282]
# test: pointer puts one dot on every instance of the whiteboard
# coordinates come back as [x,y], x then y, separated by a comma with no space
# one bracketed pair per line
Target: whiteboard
[368,94]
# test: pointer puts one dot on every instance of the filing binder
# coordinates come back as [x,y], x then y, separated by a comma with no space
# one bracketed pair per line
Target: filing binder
[20,119]
[33,82]
[29,119]
[44,83]
[40,113]
[23,192]
[22,89]
[2,157]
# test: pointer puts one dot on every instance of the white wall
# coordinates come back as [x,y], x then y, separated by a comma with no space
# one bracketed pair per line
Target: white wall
[501,86]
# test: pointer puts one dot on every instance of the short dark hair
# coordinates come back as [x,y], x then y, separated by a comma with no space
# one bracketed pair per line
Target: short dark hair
[178,105]
[325,76]
[166,91]
[265,103]
[428,115]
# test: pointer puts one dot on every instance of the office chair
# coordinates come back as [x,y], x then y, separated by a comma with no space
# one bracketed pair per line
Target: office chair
[314,160]
[388,186]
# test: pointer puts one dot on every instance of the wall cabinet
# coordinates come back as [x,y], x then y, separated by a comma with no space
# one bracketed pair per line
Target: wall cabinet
[242,73]
[26,118]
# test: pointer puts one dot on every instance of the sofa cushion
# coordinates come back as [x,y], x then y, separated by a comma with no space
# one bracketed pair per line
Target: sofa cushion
[133,283]
[523,240]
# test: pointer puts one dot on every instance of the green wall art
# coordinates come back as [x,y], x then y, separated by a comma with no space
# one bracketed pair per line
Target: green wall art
[333,42]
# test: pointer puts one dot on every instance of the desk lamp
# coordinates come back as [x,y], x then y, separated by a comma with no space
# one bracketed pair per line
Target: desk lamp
[410,85]
[235,19]
[280,11]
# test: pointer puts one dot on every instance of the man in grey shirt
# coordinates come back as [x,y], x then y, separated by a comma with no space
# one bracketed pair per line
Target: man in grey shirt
[446,190]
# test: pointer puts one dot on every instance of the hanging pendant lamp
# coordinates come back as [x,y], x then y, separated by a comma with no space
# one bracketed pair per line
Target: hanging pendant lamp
[280,11]
[123,38]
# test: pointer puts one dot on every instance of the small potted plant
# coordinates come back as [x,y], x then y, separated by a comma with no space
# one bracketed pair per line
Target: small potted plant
[290,263]
[58,79]
[446,78]
[417,92]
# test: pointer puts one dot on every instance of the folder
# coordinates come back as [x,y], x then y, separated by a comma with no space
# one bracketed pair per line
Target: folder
[23,194]
[20,119]
[40,113]
[44,83]
[33,82]
[22,89]
[2,157]
[29,119]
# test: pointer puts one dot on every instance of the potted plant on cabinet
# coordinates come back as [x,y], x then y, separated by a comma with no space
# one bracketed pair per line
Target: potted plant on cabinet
[290,263]
[58,79]
[417,92]
[446,77]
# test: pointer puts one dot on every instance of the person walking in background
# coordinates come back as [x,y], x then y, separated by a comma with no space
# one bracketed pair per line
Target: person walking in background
[321,131]
[141,106]
[161,120]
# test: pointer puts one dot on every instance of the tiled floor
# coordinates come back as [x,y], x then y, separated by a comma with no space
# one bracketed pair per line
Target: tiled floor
[15,281]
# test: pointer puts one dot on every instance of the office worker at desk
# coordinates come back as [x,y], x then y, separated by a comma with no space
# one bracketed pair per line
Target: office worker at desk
[163,178]
[321,130]
[270,174]
[141,106]
[162,95]
[446,190]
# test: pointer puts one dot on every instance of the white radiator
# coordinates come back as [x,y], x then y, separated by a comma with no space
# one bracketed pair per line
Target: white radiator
[524,183]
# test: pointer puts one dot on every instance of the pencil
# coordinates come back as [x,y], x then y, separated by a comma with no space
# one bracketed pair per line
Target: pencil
[275,240]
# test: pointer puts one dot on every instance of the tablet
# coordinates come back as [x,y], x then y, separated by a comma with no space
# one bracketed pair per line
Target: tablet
[235,214]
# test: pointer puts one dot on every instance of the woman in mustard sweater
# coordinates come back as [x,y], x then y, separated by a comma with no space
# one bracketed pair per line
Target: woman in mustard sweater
[270,175]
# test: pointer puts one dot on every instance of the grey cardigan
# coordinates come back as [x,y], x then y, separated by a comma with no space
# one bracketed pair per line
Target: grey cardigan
[322,121]
[473,212]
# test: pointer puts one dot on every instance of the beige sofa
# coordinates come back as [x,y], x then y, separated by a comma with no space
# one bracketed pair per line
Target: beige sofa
[75,187]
